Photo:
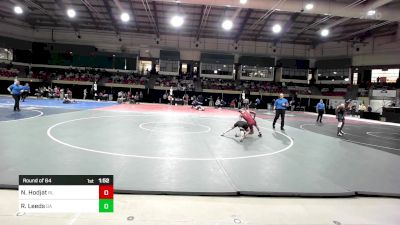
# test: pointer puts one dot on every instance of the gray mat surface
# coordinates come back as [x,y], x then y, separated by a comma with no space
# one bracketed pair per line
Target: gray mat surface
[184,154]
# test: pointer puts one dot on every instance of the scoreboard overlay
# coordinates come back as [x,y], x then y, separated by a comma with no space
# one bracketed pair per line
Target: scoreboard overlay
[66,193]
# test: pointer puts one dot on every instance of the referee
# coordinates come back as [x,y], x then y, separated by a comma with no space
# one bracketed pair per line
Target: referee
[16,89]
[280,107]
[320,110]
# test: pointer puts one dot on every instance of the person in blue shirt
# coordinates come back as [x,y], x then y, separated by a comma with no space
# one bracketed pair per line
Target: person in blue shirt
[320,110]
[15,90]
[280,106]
[258,103]
[25,92]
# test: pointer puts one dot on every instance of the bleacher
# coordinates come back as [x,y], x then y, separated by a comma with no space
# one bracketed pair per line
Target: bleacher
[8,73]
[182,84]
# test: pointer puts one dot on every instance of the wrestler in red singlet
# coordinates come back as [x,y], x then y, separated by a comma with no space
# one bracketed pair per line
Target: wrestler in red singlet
[246,115]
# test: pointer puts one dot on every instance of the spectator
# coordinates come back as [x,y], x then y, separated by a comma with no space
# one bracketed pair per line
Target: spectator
[210,101]
[165,96]
[369,108]
[246,103]
[141,96]
[186,99]
[25,92]
[68,100]
[258,103]
[361,110]
[57,92]
[62,92]
[218,103]
[69,93]
[233,103]
[200,99]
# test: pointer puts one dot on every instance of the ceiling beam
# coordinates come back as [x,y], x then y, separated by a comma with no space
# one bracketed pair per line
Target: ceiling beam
[134,15]
[151,17]
[303,30]
[337,8]
[243,25]
[89,11]
[113,22]
[63,8]
[199,27]
[205,12]
[258,33]
[288,26]
[367,32]
[39,6]
[156,17]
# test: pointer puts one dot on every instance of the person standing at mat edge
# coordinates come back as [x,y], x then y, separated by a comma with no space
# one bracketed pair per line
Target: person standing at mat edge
[340,112]
[280,106]
[16,89]
[320,110]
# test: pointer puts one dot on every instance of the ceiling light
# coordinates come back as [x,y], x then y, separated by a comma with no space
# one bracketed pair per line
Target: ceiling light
[177,21]
[334,72]
[346,79]
[276,28]
[309,6]
[243,2]
[125,17]
[227,24]
[324,32]
[71,13]
[18,10]
[371,12]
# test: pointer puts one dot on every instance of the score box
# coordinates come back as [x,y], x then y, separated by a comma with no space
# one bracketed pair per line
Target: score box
[66,193]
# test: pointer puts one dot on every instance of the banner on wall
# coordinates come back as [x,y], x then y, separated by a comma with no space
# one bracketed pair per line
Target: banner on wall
[384,93]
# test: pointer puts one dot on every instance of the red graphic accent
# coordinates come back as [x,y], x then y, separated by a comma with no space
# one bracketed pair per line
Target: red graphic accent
[106,192]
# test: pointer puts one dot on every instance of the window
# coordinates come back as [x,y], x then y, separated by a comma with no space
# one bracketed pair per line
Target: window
[388,76]
[254,71]
[355,78]
[6,54]
[295,74]
[334,74]
[169,66]
[216,69]
[184,68]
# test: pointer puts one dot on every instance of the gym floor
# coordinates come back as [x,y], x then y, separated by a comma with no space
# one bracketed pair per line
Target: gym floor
[162,149]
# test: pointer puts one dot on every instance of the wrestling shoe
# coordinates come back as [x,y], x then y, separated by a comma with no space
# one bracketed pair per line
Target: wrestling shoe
[260,135]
